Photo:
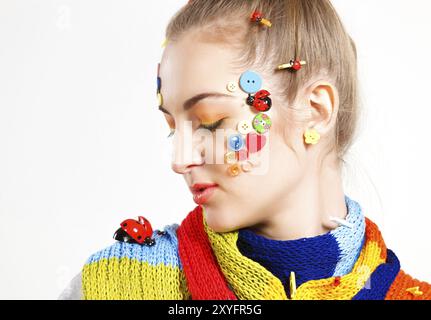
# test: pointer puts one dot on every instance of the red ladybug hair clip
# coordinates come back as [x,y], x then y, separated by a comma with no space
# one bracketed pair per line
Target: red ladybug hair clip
[294,65]
[257,17]
[136,231]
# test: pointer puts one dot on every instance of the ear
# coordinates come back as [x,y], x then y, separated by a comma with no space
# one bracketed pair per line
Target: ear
[323,103]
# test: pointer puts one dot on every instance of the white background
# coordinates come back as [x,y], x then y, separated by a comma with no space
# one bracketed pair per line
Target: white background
[82,145]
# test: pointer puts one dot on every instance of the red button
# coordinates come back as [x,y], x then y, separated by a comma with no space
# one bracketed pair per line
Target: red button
[255,142]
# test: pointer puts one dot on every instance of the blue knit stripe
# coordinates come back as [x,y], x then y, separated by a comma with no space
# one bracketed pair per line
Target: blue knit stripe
[381,280]
[165,251]
[350,241]
[310,258]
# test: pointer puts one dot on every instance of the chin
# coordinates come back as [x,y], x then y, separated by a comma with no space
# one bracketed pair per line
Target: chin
[219,220]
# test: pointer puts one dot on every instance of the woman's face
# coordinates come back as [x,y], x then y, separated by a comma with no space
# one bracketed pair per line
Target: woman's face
[204,114]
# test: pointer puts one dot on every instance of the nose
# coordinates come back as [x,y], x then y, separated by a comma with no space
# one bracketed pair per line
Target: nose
[187,153]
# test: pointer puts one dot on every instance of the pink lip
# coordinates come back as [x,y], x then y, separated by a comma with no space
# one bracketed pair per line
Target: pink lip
[202,192]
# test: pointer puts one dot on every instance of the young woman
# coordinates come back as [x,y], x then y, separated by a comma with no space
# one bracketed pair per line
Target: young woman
[261,99]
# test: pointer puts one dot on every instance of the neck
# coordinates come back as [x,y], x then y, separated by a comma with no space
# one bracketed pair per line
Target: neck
[306,211]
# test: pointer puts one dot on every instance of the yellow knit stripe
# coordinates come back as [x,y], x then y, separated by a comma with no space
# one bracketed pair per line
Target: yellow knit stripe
[126,279]
[350,284]
[250,280]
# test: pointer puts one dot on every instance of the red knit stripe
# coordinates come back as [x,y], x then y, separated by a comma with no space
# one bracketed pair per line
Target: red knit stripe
[205,280]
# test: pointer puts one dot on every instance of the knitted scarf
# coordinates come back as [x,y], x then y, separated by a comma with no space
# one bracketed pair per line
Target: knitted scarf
[330,255]
[216,265]
[192,261]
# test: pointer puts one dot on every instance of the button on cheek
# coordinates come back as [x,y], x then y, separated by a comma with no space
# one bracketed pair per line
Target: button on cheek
[247,166]
[235,142]
[262,123]
[250,82]
[255,142]
[234,170]
[232,87]
[230,158]
[245,127]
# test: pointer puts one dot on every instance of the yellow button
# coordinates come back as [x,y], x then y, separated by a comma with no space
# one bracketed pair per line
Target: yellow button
[230,158]
[234,170]
[312,137]
[160,99]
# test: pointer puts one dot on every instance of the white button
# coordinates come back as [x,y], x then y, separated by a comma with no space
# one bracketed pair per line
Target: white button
[232,87]
[245,127]
[247,166]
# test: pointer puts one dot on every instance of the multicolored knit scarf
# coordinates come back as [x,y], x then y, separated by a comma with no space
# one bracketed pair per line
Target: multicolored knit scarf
[192,261]
[215,268]
[333,254]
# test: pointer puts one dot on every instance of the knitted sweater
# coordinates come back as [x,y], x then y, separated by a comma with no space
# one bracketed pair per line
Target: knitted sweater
[192,261]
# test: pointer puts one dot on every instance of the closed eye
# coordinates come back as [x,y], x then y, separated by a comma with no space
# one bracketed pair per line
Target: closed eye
[213,126]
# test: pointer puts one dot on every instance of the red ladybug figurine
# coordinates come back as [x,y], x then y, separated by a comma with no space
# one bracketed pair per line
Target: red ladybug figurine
[260,101]
[256,17]
[296,65]
[133,231]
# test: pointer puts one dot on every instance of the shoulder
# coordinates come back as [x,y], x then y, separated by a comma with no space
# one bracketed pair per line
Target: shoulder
[165,250]
[134,271]
[405,287]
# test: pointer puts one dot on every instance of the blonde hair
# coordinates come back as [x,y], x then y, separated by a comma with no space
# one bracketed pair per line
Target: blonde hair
[307,29]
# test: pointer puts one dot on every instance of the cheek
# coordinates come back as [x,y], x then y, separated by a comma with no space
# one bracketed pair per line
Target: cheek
[247,199]
[285,169]
[280,173]
[278,170]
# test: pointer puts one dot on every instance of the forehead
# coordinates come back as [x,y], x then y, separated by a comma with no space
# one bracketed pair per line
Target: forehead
[190,67]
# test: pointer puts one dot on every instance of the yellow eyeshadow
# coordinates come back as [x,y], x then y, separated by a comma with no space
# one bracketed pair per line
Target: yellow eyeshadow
[207,123]
[211,118]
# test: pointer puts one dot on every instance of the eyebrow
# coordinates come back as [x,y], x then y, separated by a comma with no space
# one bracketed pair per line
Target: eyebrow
[190,103]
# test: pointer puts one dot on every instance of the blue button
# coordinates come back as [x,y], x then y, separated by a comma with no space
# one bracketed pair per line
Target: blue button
[236,142]
[159,84]
[250,82]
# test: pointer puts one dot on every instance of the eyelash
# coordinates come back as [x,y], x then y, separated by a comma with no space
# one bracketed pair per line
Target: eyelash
[212,127]
[171,134]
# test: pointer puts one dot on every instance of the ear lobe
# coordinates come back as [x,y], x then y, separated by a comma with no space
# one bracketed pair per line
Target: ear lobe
[323,101]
